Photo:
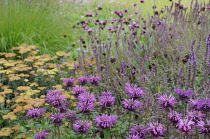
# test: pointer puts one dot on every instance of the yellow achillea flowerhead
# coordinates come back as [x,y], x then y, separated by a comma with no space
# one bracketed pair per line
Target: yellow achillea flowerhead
[1,99]
[61,54]
[6,131]
[23,88]
[10,116]
[9,55]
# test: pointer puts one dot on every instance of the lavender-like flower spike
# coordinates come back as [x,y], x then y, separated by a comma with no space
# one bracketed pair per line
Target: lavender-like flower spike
[167,102]
[131,104]
[36,113]
[82,127]
[42,135]
[185,125]
[133,91]
[156,129]
[105,121]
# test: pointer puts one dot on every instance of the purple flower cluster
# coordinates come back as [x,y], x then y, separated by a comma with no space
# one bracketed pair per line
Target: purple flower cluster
[133,91]
[184,95]
[200,104]
[185,125]
[57,119]
[106,100]
[174,117]
[83,80]
[36,113]
[94,80]
[204,127]
[70,116]
[138,131]
[86,102]
[42,135]
[81,127]
[156,129]
[131,104]
[167,102]
[69,82]
[78,90]
[105,121]
[196,116]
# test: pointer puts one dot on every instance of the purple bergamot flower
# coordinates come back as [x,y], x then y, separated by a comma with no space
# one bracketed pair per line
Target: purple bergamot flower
[71,116]
[184,95]
[167,102]
[86,106]
[42,135]
[54,92]
[69,82]
[94,80]
[105,121]
[137,130]
[131,104]
[196,116]
[84,97]
[174,117]
[78,90]
[106,93]
[133,91]
[185,125]
[204,105]
[156,129]
[57,119]
[133,137]
[35,113]
[204,127]
[83,80]
[107,101]
[56,100]
[82,127]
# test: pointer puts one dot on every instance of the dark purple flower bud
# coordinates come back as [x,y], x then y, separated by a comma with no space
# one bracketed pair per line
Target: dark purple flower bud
[42,135]
[35,113]
[142,1]
[105,121]
[167,102]
[174,117]
[69,82]
[156,129]
[125,11]
[57,119]
[82,127]
[185,125]
[64,35]
[131,104]
[156,13]
[134,4]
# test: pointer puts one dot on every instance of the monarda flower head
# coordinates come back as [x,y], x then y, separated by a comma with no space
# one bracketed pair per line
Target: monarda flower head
[137,130]
[167,102]
[107,101]
[203,105]
[133,91]
[70,116]
[82,127]
[86,106]
[131,104]
[77,90]
[83,80]
[185,125]
[174,117]
[106,93]
[204,127]
[57,119]
[156,129]
[94,80]
[54,92]
[69,82]
[196,116]
[56,100]
[36,113]
[42,135]
[105,121]
[133,137]
[84,97]
[184,95]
